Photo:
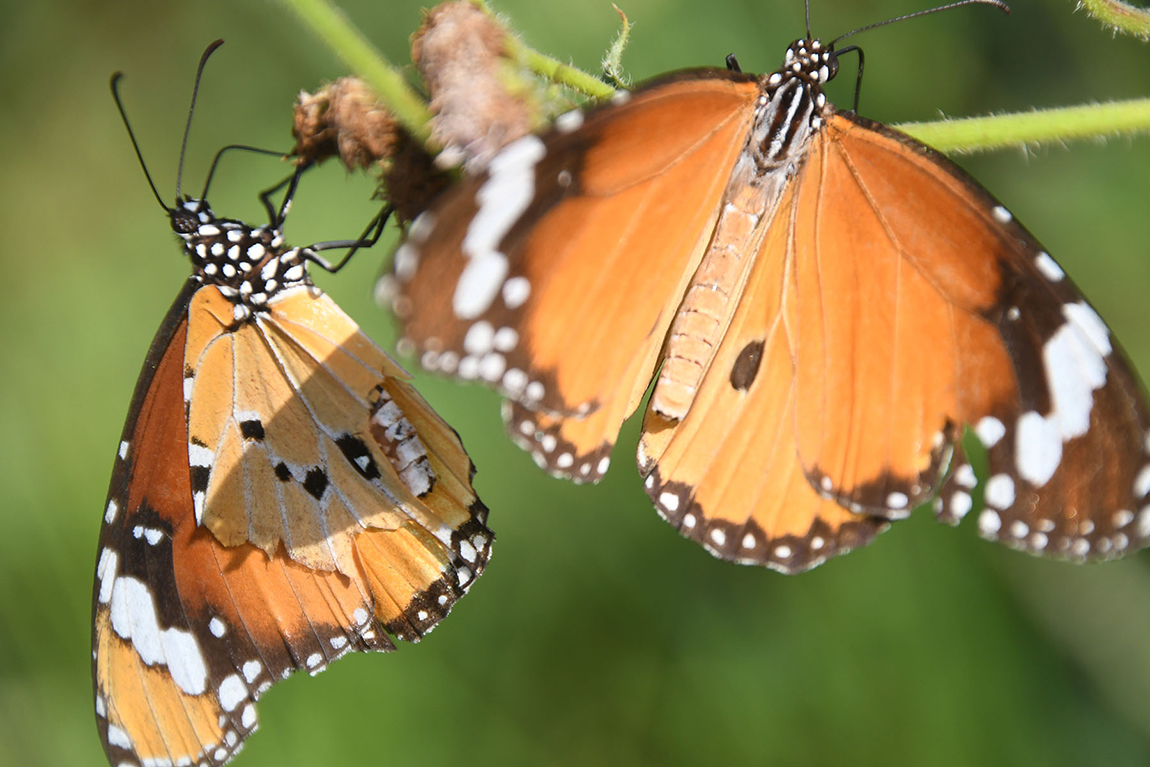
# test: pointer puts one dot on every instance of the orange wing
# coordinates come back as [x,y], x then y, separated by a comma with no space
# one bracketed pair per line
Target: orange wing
[188,632]
[924,307]
[894,303]
[536,278]
[728,473]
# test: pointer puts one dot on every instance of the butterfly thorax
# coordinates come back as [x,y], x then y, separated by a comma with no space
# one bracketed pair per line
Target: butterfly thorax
[249,265]
[792,103]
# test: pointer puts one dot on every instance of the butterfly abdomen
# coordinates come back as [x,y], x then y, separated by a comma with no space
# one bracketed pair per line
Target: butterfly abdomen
[783,124]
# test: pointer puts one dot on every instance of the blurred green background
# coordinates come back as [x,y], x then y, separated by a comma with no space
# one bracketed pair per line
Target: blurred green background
[597,635]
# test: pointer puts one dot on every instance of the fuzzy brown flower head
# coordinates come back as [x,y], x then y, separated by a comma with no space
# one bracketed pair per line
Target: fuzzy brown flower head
[344,119]
[459,51]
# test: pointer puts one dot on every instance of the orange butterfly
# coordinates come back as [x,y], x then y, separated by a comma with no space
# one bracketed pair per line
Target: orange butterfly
[824,305]
[281,496]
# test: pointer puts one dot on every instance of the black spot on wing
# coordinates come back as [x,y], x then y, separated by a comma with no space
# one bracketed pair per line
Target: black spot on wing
[746,366]
[357,454]
[252,430]
[283,473]
[315,482]
[200,476]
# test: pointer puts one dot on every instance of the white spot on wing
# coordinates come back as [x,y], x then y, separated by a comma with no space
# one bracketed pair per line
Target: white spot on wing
[1142,482]
[106,573]
[964,476]
[501,200]
[421,227]
[217,627]
[960,504]
[990,430]
[118,737]
[569,121]
[1000,491]
[133,616]
[515,292]
[198,506]
[405,261]
[989,522]
[1074,359]
[232,692]
[248,717]
[479,338]
[252,669]
[198,455]
[1038,448]
[1047,266]
[505,339]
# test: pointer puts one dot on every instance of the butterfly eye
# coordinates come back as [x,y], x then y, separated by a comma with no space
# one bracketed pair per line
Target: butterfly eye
[184,222]
[832,64]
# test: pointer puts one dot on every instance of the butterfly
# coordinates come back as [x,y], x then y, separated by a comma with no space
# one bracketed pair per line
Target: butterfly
[821,306]
[281,496]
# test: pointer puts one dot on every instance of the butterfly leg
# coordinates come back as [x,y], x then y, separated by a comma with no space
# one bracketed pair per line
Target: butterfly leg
[858,78]
[369,237]
[291,182]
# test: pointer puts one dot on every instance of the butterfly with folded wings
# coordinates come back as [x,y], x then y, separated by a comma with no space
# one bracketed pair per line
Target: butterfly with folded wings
[281,496]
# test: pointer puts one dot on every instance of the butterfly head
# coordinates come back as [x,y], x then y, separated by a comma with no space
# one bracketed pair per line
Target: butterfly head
[189,215]
[808,59]
[248,265]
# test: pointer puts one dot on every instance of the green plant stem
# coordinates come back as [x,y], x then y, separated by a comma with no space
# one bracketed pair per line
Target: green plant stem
[556,71]
[973,134]
[980,134]
[548,67]
[327,22]
[1121,16]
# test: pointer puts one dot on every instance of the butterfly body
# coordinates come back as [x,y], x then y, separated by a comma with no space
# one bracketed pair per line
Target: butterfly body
[281,496]
[824,303]
[247,265]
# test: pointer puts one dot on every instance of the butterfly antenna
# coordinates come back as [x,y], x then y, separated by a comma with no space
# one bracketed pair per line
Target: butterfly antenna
[191,110]
[807,5]
[115,85]
[996,3]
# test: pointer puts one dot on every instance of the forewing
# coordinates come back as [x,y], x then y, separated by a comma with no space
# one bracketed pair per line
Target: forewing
[554,276]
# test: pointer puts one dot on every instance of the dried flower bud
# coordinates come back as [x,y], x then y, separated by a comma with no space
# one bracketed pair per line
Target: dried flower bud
[459,51]
[344,119]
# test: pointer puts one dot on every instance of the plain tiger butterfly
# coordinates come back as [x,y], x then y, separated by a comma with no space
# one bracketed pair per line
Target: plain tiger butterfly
[281,496]
[823,304]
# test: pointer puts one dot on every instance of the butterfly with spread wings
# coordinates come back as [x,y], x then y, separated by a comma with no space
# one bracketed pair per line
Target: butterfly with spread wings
[281,496]
[823,303]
